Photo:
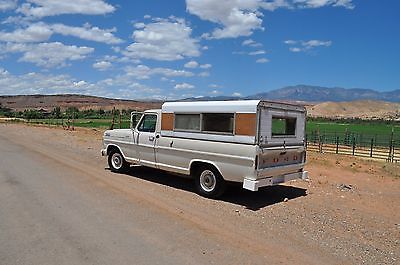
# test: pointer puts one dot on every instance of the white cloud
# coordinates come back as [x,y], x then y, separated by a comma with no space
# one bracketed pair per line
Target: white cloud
[237,94]
[38,83]
[191,64]
[42,83]
[215,92]
[164,40]
[259,52]
[295,49]
[87,32]
[40,31]
[48,55]
[7,4]
[44,8]
[275,4]
[139,25]
[320,3]
[145,72]
[204,74]
[316,43]
[205,66]
[262,60]
[238,18]
[214,86]
[102,65]
[290,42]
[184,86]
[194,64]
[303,46]
[33,33]
[251,43]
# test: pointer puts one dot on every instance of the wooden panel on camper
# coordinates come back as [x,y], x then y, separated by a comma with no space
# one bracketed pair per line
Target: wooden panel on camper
[245,124]
[167,121]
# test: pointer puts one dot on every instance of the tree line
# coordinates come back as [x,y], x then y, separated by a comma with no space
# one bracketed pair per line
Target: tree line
[70,112]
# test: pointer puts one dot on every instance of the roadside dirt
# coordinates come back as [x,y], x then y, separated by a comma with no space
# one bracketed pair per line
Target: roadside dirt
[347,213]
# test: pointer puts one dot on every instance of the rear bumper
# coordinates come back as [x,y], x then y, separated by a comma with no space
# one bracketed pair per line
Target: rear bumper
[254,185]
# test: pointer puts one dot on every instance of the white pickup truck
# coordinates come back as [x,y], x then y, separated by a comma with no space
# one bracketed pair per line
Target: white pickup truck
[256,143]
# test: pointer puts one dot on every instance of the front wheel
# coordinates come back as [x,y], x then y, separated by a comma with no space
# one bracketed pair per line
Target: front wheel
[209,182]
[116,162]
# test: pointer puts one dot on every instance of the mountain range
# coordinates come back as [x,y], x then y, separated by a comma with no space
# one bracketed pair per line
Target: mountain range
[317,94]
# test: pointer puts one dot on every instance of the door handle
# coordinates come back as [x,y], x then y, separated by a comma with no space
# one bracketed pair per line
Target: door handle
[151,138]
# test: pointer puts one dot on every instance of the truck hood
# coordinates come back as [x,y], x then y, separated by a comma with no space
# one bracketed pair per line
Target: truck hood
[117,134]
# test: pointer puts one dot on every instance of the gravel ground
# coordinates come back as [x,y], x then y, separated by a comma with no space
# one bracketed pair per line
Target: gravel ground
[347,213]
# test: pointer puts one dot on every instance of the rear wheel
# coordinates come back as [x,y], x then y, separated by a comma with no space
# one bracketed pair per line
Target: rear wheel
[209,182]
[116,162]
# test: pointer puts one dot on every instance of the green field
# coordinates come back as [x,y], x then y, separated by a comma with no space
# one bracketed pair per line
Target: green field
[366,129]
[87,123]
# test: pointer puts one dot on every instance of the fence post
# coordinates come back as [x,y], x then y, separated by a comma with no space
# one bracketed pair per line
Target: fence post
[113,119]
[391,147]
[372,147]
[319,144]
[337,144]
[120,119]
[73,120]
[68,122]
[354,145]
[393,158]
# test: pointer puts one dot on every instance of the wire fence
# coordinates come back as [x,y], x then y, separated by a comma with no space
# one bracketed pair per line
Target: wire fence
[379,146]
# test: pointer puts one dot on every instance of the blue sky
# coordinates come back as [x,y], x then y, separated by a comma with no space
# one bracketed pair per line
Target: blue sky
[173,49]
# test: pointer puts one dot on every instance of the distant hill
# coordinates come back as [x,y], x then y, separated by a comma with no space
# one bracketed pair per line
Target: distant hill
[364,109]
[322,94]
[82,102]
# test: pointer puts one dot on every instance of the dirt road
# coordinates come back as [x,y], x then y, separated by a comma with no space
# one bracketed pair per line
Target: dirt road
[59,204]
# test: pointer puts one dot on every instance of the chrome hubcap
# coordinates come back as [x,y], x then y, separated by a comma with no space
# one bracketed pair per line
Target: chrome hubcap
[116,160]
[207,180]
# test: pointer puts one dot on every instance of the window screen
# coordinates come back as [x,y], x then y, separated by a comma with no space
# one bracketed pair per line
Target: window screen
[148,123]
[218,122]
[188,122]
[283,126]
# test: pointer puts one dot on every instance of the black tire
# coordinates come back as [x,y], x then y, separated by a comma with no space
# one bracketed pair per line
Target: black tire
[209,182]
[116,162]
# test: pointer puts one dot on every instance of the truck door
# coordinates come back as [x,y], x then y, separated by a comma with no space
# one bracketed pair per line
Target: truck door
[146,139]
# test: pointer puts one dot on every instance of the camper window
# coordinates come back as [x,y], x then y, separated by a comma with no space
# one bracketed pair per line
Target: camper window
[187,122]
[283,126]
[218,122]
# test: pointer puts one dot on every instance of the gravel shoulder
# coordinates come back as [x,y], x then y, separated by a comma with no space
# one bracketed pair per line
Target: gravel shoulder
[348,213]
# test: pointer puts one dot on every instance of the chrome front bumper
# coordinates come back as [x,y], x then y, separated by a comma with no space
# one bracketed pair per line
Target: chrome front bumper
[103,152]
[254,185]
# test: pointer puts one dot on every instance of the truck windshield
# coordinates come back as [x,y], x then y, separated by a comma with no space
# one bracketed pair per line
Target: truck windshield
[283,126]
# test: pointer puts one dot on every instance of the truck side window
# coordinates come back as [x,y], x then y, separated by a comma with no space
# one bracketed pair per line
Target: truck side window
[148,123]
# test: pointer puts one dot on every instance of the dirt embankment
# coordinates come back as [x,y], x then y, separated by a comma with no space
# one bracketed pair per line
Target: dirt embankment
[48,102]
[365,109]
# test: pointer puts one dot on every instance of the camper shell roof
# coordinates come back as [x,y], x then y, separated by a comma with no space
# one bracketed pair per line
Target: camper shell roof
[240,106]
